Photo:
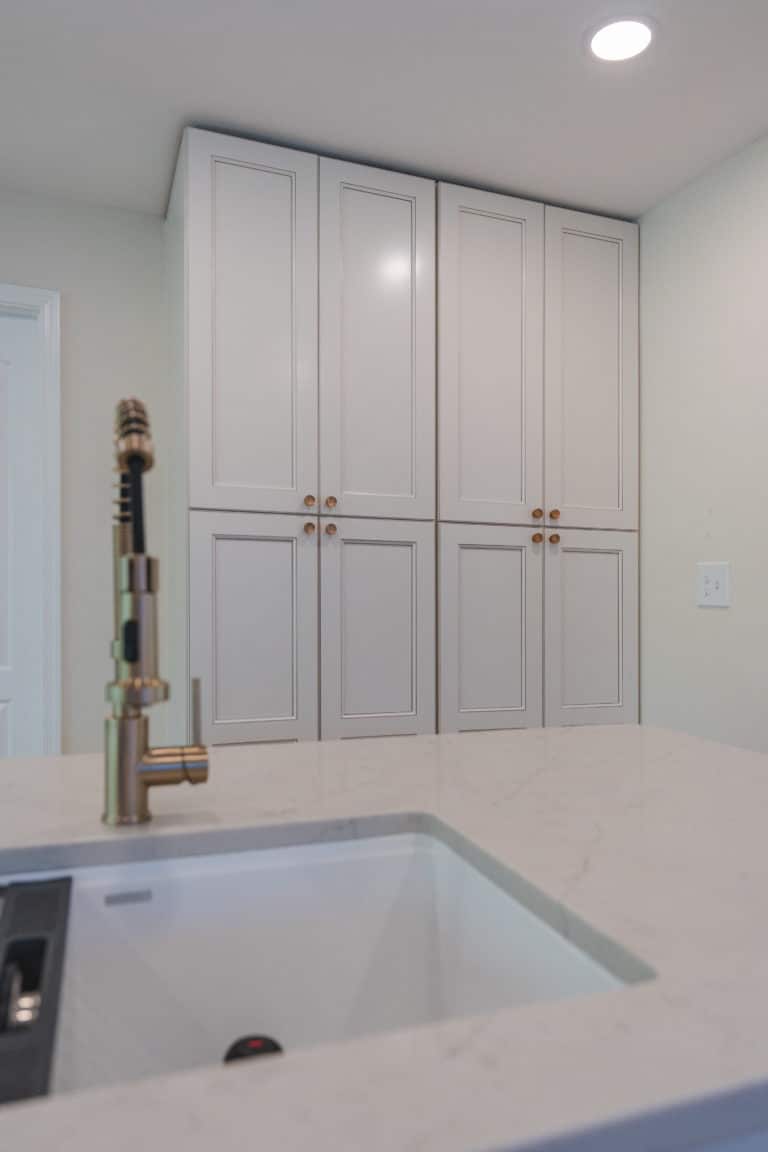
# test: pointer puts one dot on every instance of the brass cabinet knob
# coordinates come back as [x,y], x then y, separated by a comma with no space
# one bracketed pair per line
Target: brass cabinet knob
[331,529]
[309,528]
[537,513]
[537,537]
[554,538]
[554,514]
[331,502]
[309,501]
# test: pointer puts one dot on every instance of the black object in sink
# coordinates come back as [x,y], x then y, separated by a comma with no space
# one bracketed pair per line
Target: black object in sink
[33,933]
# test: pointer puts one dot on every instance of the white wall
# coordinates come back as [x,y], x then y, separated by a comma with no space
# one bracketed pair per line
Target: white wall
[704,400]
[108,266]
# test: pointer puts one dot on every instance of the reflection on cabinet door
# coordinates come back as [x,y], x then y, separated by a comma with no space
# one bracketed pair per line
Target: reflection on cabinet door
[490,628]
[591,628]
[491,384]
[377,342]
[253,625]
[251,324]
[377,581]
[591,382]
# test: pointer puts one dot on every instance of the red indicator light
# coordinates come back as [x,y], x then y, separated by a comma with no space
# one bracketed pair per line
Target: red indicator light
[255,1043]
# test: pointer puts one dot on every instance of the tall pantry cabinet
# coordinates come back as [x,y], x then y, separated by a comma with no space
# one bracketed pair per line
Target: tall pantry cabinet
[538,417]
[328,556]
[304,292]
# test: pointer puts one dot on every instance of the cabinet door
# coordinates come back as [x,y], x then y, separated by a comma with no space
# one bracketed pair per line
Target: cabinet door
[253,625]
[490,383]
[251,324]
[591,383]
[377,342]
[591,628]
[490,628]
[377,581]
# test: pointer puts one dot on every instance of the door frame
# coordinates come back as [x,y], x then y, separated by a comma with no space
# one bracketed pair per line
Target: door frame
[43,306]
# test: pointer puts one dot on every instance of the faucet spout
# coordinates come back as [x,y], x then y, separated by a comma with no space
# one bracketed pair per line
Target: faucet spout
[174,765]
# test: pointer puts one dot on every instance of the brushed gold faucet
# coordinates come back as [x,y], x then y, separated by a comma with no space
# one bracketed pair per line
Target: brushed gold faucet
[131,767]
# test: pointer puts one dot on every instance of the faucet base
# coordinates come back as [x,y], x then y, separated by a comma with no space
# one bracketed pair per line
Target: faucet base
[125,793]
[132,768]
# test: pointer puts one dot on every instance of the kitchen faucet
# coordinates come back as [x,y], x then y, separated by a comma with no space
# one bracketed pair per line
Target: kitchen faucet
[131,767]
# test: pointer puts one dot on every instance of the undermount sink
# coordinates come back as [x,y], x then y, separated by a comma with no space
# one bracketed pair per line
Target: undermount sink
[171,960]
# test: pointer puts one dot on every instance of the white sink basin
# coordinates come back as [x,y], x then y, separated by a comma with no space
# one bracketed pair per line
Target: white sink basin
[169,961]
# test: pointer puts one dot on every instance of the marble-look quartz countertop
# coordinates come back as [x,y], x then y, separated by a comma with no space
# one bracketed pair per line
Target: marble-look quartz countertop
[656,839]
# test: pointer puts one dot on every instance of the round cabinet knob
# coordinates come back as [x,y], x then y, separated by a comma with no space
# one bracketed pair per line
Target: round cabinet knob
[554,538]
[537,537]
[309,528]
[331,529]
[309,501]
[537,513]
[331,502]
[554,514]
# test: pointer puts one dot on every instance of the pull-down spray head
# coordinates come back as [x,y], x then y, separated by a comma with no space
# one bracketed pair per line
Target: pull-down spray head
[135,455]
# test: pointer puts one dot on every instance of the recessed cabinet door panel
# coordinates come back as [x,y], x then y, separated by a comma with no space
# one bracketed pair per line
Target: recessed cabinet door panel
[490,384]
[253,626]
[490,628]
[252,324]
[377,342]
[591,356]
[377,628]
[591,628]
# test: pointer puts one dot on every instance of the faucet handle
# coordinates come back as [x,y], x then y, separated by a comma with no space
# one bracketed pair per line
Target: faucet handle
[197,710]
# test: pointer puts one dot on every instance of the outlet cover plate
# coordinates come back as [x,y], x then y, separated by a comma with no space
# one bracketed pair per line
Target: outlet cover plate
[713,584]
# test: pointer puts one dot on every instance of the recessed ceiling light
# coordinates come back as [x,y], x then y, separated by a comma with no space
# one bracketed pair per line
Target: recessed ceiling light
[621,40]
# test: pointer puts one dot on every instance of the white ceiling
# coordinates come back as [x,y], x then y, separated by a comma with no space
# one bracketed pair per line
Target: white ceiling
[500,93]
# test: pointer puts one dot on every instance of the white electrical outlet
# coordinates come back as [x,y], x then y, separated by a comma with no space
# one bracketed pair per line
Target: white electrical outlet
[713,584]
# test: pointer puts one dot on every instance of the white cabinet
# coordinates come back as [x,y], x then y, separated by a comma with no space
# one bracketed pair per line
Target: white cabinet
[491,320]
[304,346]
[490,627]
[591,381]
[591,619]
[253,625]
[250,221]
[377,342]
[377,615]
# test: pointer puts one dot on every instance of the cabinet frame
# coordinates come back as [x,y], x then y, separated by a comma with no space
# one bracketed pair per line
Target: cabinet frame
[203,152]
[624,710]
[208,528]
[623,237]
[336,176]
[453,539]
[455,505]
[420,538]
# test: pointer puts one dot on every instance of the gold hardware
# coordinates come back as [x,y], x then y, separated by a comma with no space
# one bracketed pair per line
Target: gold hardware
[537,513]
[554,538]
[331,529]
[331,502]
[537,537]
[554,514]
[309,528]
[131,767]
[309,501]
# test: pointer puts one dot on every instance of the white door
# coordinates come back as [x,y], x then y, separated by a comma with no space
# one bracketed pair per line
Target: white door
[377,581]
[251,324]
[377,342]
[253,625]
[491,382]
[30,704]
[591,382]
[591,615]
[491,638]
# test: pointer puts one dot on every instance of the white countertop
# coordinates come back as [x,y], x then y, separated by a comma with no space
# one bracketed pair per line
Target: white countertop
[656,839]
